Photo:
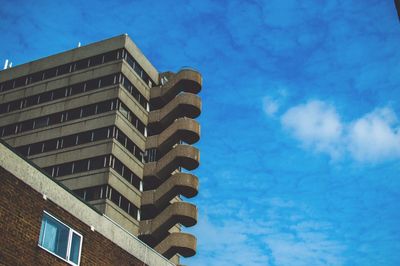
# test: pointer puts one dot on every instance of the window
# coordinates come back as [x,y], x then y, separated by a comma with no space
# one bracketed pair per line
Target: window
[60,240]
[77,88]
[58,94]
[64,69]
[50,73]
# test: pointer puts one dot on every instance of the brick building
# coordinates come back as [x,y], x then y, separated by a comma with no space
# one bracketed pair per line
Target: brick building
[28,197]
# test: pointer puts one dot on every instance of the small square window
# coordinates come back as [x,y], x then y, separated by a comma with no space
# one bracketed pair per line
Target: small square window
[60,240]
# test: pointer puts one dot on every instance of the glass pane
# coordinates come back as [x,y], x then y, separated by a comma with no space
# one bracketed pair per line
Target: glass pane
[54,236]
[75,246]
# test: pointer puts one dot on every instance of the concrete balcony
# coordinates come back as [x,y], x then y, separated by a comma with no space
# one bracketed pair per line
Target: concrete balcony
[181,155]
[182,129]
[182,243]
[157,199]
[183,105]
[186,80]
[155,230]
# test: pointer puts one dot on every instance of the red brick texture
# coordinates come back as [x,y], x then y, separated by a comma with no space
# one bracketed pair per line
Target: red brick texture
[21,210]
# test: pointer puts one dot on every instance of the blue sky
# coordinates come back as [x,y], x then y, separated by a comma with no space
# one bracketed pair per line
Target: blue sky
[300,139]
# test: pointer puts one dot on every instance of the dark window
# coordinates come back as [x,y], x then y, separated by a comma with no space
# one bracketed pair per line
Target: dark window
[26,125]
[135,181]
[64,69]
[32,100]
[77,88]
[36,148]
[124,204]
[84,137]
[65,169]
[49,170]
[115,196]
[55,118]
[103,107]
[88,110]
[93,193]
[23,150]
[19,82]
[45,97]
[128,175]
[82,64]
[3,108]
[8,85]
[107,81]
[96,60]
[130,61]
[50,145]
[92,84]
[41,122]
[81,166]
[37,77]
[121,138]
[50,73]
[69,141]
[73,114]
[133,211]
[130,146]
[140,127]
[80,193]
[100,134]
[97,163]
[110,56]
[58,94]
[118,166]
[14,105]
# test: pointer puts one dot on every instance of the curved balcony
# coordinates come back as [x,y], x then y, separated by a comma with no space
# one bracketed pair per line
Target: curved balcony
[186,80]
[182,129]
[183,105]
[182,243]
[157,199]
[181,155]
[155,230]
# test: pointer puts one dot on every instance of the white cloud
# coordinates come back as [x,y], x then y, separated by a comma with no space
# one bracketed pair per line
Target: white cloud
[270,106]
[373,137]
[316,124]
[230,243]
[283,233]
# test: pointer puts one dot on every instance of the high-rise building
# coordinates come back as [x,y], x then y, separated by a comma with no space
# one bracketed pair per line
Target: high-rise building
[105,123]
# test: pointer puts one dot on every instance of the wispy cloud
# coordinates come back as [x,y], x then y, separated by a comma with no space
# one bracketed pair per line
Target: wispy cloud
[373,137]
[316,124]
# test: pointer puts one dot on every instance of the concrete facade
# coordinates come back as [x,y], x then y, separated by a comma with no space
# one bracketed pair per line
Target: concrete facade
[103,121]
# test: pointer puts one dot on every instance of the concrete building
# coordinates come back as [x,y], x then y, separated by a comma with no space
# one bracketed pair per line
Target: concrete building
[105,123]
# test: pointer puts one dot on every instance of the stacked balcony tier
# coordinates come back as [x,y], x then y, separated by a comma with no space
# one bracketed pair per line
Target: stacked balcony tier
[172,130]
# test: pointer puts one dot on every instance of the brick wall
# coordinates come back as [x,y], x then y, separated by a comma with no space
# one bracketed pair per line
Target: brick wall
[21,210]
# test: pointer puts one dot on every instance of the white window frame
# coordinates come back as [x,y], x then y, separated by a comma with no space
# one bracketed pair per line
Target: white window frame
[70,234]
